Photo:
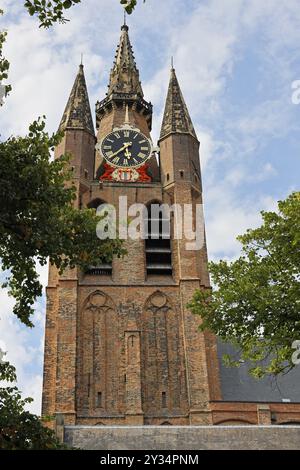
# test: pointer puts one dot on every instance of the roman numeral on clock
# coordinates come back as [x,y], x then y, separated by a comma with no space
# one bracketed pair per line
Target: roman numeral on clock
[141,155]
[106,147]
[126,133]
[142,141]
[116,160]
[145,148]
[117,135]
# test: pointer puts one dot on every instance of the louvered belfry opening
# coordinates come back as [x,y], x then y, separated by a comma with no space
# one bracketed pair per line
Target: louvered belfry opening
[158,242]
[105,268]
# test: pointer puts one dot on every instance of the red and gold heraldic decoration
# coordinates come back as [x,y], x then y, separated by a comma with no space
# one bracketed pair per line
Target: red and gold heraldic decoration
[126,175]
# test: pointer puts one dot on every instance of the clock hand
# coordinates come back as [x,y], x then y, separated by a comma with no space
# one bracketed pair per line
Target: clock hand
[126,153]
[125,146]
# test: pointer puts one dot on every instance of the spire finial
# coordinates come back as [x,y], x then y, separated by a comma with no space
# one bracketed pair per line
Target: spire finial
[172,62]
[124,26]
[81,59]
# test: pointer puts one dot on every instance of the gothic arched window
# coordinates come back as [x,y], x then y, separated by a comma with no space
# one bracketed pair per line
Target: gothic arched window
[95,203]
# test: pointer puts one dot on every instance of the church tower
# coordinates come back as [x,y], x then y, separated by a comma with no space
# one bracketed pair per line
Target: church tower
[121,346]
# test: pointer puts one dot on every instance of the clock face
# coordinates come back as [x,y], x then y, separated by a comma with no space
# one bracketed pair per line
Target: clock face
[126,148]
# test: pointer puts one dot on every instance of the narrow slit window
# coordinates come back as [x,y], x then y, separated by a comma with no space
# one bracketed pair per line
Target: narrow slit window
[89,384]
[164,400]
[99,399]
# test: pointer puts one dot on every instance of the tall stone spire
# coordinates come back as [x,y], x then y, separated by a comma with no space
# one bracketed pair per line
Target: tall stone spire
[124,89]
[176,116]
[124,76]
[77,114]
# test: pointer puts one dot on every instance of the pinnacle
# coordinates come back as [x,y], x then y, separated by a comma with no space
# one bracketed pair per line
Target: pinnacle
[77,114]
[176,116]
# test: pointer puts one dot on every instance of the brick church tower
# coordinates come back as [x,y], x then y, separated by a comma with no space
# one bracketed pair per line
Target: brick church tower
[121,346]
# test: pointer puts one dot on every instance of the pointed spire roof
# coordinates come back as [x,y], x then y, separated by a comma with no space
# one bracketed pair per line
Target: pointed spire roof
[176,116]
[124,76]
[77,114]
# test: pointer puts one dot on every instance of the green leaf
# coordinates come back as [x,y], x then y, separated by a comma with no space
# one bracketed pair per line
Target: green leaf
[67,4]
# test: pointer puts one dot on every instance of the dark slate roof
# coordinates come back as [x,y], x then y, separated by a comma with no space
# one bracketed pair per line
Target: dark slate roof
[176,116]
[77,114]
[238,385]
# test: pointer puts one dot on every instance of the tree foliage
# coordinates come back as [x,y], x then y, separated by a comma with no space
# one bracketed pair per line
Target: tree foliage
[20,429]
[4,66]
[49,12]
[52,11]
[38,220]
[256,301]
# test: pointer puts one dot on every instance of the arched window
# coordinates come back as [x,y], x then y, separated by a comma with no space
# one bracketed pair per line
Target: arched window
[95,203]
[158,241]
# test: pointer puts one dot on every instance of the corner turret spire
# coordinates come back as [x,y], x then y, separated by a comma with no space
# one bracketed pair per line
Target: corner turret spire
[124,76]
[77,114]
[176,118]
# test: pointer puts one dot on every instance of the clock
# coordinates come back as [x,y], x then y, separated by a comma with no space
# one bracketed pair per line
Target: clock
[125,148]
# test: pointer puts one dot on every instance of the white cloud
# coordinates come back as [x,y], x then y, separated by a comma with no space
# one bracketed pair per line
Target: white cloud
[207,146]
[204,48]
[228,218]
[269,120]
[267,171]
[238,175]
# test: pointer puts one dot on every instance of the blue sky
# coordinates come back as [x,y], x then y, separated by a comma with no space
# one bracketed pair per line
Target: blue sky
[236,61]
